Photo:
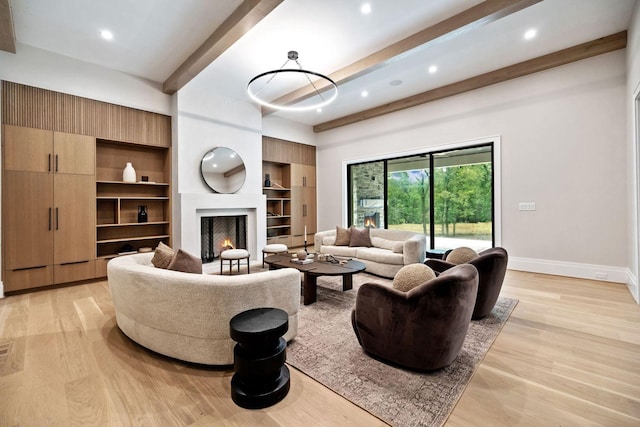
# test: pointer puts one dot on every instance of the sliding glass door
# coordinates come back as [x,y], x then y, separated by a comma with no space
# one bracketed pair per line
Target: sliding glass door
[446,195]
[463,198]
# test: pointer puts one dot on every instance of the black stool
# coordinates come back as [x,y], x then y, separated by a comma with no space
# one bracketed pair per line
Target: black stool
[261,378]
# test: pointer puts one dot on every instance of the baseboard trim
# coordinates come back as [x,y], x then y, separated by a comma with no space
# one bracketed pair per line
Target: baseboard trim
[603,273]
[632,284]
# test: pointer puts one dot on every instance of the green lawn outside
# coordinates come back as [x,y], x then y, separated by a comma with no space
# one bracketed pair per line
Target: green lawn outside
[478,230]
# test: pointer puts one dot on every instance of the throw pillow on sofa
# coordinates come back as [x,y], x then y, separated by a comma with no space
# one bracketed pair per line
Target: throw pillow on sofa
[411,276]
[343,236]
[186,263]
[461,255]
[162,256]
[360,237]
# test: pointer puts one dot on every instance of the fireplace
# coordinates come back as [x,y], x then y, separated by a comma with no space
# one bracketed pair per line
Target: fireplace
[218,233]
[372,221]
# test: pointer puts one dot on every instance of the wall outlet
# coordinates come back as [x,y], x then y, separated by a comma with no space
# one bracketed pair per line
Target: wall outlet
[602,276]
[527,206]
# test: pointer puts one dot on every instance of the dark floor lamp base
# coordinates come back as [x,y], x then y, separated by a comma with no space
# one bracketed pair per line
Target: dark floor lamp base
[250,400]
[261,379]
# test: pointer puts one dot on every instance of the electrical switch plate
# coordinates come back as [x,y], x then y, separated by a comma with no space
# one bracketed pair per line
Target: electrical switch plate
[527,206]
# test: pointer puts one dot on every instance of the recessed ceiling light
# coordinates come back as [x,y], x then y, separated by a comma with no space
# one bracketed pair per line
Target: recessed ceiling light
[364,93]
[395,82]
[529,34]
[433,69]
[365,9]
[106,34]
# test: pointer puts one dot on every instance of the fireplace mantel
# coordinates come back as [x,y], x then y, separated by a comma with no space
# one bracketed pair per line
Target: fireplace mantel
[193,206]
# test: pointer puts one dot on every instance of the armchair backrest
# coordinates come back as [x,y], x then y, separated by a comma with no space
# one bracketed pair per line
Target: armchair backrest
[492,267]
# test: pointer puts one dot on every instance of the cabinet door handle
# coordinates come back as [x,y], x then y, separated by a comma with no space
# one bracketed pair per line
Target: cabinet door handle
[49,219]
[75,262]
[56,163]
[304,210]
[304,181]
[49,163]
[57,219]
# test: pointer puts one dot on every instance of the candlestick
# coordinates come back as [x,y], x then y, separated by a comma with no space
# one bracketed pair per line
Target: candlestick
[305,233]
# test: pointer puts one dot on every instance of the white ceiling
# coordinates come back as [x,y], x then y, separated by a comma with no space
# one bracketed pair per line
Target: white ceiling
[153,37]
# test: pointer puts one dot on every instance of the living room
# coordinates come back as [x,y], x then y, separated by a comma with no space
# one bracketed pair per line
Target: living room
[567,136]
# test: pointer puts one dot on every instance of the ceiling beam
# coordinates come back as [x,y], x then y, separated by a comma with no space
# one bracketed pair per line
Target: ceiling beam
[244,18]
[474,17]
[7,33]
[541,63]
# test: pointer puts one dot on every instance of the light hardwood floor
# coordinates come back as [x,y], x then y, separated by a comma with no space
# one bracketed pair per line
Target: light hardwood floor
[569,355]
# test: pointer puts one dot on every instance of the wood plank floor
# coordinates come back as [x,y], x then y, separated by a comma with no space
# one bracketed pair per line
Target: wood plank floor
[569,355]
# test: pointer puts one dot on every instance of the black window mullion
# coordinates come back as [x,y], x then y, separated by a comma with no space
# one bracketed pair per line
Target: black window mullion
[432,215]
[385,188]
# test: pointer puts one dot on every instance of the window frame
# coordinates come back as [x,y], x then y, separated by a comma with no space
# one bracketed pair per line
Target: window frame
[496,206]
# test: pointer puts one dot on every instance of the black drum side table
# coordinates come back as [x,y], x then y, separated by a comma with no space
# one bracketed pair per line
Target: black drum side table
[261,379]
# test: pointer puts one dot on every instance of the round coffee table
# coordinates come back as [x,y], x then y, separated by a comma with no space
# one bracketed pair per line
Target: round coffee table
[315,269]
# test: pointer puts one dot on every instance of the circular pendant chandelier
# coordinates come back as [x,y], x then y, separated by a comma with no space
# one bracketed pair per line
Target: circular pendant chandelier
[258,86]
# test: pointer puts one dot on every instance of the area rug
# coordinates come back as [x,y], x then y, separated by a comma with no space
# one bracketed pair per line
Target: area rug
[327,350]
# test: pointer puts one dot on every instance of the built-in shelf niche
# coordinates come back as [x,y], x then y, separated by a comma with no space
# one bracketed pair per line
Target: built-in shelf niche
[118,202]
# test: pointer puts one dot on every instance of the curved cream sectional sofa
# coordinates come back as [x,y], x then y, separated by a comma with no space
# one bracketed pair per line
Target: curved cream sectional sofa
[391,250]
[185,315]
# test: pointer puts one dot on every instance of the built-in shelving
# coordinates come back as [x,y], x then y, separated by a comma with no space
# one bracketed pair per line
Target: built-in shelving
[119,202]
[278,212]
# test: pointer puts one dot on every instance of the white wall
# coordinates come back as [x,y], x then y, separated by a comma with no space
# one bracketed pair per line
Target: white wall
[36,67]
[277,127]
[633,142]
[563,147]
[204,120]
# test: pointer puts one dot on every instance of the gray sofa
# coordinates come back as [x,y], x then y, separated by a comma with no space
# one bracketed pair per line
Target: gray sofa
[186,315]
[391,250]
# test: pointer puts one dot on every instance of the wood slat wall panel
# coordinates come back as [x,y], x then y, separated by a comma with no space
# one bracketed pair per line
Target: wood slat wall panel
[33,107]
[281,151]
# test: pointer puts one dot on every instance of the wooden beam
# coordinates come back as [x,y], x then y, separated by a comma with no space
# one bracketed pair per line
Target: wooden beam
[474,17]
[7,33]
[234,171]
[541,63]
[244,18]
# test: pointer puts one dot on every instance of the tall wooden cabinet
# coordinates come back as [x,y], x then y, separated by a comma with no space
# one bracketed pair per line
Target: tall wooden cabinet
[291,200]
[303,202]
[65,209]
[48,208]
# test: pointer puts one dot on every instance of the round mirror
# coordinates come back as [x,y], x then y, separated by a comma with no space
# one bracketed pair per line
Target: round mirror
[223,170]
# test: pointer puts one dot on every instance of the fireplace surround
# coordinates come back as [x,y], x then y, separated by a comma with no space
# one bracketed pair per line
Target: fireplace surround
[194,206]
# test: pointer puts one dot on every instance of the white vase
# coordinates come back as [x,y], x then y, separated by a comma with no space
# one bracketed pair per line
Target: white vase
[129,173]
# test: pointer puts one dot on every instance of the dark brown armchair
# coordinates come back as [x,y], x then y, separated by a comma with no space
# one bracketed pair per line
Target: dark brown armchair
[492,267]
[422,329]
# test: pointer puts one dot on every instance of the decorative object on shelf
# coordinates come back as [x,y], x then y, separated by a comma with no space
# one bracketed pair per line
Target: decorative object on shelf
[260,90]
[145,178]
[142,213]
[129,173]
[267,180]
[145,249]
[222,169]
[127,249]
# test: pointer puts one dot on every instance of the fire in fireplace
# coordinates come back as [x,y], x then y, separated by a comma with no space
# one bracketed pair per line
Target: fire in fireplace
[218,233]
[371,221]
